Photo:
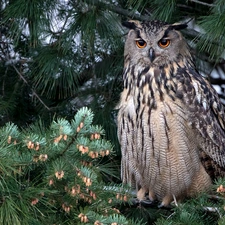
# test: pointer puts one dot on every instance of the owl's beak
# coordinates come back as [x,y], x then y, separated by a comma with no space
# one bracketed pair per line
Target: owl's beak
[151,54]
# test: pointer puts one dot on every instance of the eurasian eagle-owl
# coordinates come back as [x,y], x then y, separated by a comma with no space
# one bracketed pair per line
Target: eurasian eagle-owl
[171,123]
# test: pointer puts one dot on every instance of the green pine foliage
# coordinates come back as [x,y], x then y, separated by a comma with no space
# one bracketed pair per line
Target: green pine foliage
[58,61]
[199,211]
[212,40]
[59,175]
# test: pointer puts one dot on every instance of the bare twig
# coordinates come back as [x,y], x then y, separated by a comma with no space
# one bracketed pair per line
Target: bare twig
[218,81]
[63,26]
[8,61]
[33,91]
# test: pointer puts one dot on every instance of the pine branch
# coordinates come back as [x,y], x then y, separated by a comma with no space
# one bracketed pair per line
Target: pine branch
[202,3]
[118,10]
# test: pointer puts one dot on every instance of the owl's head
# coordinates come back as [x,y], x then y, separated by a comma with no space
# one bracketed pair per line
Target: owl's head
[154,43]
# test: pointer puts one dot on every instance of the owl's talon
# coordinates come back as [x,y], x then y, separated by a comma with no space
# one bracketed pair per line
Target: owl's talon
[147,202]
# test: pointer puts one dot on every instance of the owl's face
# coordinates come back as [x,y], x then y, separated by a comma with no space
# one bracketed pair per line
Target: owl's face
[154,43]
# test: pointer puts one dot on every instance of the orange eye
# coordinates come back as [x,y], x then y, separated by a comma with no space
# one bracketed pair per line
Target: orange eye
[163,43]
[141,43]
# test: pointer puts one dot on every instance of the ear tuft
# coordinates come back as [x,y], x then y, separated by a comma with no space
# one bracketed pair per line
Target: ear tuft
[178,26]
[131,24]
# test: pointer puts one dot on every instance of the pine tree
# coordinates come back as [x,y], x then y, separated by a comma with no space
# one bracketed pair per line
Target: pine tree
[55,58]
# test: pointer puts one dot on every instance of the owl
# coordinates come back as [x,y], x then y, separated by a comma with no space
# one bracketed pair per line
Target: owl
[171,123]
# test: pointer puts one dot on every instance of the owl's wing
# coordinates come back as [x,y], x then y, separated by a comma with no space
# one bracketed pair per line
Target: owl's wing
[208,118]
[127,137]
